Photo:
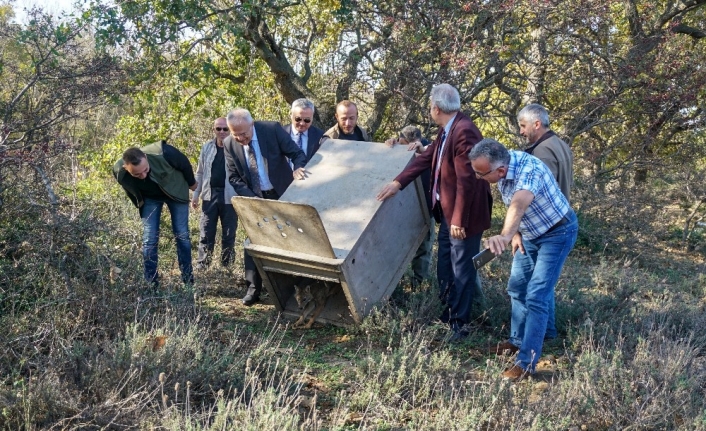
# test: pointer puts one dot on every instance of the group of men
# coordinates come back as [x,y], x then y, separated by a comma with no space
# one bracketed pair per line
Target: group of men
[245,158]
[262,158]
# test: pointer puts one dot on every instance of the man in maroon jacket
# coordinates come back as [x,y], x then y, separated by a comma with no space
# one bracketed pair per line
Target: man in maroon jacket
[461,204]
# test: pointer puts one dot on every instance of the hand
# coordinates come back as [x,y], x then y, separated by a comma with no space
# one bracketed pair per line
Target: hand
[300,174]
[195,204]
[497,243]
[391,142]
[389,190]
[415,146]
[517,244]
[457,232]
[192,188]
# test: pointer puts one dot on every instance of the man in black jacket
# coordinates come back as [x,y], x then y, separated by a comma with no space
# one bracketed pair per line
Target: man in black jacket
[257,155]
[152,176]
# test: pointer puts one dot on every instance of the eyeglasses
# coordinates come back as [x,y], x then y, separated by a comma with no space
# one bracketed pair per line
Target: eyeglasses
[480,176]
[221,129]
[306,120]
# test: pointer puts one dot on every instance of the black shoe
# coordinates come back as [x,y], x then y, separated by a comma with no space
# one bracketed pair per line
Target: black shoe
[457,333]
[458,336]
[250,300]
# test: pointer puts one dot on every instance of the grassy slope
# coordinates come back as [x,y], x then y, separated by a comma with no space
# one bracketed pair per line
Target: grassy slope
[87,349]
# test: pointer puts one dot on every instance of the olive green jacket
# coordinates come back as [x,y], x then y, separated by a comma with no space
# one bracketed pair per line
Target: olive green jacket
[169,179]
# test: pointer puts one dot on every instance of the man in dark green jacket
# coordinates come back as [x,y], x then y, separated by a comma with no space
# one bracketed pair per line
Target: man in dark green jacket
[152,176]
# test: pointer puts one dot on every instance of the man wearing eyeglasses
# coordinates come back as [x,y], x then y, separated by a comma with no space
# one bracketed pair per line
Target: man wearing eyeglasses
[303,133]
[216,192]
[152,176]
[257,158]
[542,226]
[460,204]
[346,126]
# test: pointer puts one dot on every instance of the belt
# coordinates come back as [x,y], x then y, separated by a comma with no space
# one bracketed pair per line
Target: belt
[561,222]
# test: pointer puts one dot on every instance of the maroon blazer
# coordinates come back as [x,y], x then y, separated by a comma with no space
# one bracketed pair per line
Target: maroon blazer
[465,200]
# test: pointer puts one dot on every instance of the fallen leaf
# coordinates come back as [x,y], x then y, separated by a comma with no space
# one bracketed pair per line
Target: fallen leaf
[307,401]
[114,273]
[158,342]
[355,417]
[342,339]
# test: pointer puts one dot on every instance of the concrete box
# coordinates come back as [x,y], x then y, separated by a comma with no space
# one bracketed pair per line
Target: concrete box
[331,227]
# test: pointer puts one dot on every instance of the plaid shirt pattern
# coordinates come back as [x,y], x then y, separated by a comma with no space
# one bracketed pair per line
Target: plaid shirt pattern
[549,205]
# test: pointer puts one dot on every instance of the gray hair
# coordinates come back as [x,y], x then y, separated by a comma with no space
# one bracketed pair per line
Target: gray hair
[411,134]
[446,98]
[238,115]
[302,103]
[494,151]
[534,112]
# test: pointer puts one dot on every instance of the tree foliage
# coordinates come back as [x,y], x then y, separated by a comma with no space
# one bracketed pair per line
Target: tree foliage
[50,76]
[623,79]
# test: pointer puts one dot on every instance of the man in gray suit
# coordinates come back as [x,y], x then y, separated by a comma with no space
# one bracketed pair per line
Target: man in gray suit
[257,156]
[306,136]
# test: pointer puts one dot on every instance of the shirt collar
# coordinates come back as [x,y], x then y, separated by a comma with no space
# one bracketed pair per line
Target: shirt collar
[512,168]
[447,128]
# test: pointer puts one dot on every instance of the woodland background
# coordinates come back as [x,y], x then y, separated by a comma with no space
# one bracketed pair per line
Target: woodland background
[86,347]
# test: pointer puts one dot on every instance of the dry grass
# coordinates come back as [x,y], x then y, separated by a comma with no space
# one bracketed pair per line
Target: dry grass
[88,349]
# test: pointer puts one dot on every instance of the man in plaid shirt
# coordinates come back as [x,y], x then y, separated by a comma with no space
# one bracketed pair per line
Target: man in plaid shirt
[543,227]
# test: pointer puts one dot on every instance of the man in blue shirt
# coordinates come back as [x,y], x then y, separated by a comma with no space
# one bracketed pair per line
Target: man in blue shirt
[543,227]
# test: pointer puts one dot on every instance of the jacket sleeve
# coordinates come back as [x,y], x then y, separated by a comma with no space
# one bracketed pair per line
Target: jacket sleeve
[420,163]
[179,162]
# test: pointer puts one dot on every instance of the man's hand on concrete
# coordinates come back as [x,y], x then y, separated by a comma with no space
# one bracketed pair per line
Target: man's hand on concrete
[416,146]
[389,190]
[300,174]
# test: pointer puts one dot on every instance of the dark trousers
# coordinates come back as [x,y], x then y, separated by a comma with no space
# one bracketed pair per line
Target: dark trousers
[252,277]
[457,277]
[213,210]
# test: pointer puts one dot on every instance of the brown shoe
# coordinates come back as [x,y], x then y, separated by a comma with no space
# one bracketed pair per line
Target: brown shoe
[515,374]
[502,347]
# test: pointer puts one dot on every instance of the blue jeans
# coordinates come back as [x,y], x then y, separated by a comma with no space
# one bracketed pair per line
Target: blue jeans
[531,288]
[151,212]
[458,280]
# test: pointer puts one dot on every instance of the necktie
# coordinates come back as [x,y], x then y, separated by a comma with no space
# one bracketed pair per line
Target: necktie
[437,170]
[299,141]
[254,172]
